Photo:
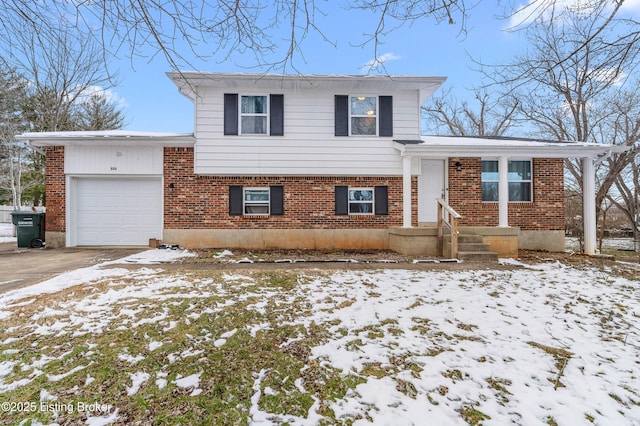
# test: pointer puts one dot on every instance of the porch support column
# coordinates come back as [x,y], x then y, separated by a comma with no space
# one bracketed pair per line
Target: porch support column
[406,192]
[589,205]
[503,192]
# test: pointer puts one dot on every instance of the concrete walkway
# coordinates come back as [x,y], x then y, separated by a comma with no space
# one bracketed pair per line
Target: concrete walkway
[20,267]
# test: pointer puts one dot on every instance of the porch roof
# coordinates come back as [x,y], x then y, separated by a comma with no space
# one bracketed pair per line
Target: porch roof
[466,146]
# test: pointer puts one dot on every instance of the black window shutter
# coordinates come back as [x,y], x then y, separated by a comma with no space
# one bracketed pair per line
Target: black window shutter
[386,116]
[276,119]
[230,113]
[235,200]
[341,115]
[276,200]
[382,200]
[342,200]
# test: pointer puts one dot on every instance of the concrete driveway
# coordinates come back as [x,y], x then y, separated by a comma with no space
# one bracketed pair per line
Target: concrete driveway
[20,267]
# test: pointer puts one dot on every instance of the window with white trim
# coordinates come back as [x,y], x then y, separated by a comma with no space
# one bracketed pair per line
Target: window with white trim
[361,200]
[519,179]
[256,201]
[254,114]
[363,115]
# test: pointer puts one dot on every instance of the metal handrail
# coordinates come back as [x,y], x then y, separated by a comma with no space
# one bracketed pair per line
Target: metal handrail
[449,217]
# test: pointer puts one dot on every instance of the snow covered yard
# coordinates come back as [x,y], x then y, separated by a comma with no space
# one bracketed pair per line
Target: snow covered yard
[536,344]
[6,233]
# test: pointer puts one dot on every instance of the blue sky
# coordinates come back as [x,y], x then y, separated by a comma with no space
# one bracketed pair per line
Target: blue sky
[152,102]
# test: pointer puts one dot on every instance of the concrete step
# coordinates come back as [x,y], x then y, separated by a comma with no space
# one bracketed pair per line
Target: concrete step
[469,238]
[473,247]
[478,256]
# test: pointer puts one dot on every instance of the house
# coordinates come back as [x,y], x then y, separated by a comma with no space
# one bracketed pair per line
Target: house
[310,162]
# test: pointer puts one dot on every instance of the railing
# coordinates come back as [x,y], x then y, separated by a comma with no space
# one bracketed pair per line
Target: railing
[449,217]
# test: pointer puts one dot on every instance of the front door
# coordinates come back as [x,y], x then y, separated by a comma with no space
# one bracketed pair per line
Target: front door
[431,186]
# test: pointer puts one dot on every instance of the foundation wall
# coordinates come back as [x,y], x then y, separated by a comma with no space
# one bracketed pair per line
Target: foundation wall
[542,240]
[309,239]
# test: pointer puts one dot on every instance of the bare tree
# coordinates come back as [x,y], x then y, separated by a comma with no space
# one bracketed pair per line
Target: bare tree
[12,92]
[490,115]
[271,33]
[62,69]
[625,127]
[59,74]
[568,83]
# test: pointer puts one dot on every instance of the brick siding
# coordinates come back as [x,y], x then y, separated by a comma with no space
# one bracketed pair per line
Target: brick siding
[55,190]
[546,212]
[202,202]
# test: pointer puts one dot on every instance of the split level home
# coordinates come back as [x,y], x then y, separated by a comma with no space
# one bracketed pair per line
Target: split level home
[309,162]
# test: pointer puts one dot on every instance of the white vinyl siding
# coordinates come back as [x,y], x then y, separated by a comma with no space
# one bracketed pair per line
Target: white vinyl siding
[113,160]
[308,147]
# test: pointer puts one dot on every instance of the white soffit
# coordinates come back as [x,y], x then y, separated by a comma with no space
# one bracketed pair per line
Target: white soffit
[189,81]
[459,146]
[107,137]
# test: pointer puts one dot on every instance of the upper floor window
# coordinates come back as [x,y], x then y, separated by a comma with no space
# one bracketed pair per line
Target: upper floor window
[356,115]
[364,113]
[254,112]
[519,178]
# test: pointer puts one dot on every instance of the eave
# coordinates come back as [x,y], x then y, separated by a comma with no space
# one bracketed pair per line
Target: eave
[107,137]
[189,81]
[460,146]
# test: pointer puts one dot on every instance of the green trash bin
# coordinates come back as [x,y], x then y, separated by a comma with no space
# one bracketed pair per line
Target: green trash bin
[30,228]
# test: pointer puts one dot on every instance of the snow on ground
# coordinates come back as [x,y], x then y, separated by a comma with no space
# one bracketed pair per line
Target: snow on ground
[479,338]
[573,244]
[90,274]
[6,233]
[533,345]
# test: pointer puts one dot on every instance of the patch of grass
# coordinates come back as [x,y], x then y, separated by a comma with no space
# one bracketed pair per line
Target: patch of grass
[404,363]
[561,356]
[469,338]
[466,327]
[422,325]
[280,279]
[187,335]
[435,351]
[617,399]
[454,374]
[377,370]
[472,415]
[406,388]
[500,387]
[551,421]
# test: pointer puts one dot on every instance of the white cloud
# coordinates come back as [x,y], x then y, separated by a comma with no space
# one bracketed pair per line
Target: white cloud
[380,61]
[631,5]
[110,95]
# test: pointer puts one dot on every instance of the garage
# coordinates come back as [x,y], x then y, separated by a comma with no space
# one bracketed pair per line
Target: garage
[106,187]
[116,211]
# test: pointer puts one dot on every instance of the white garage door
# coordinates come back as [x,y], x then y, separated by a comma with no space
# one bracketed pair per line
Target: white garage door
[118,211]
